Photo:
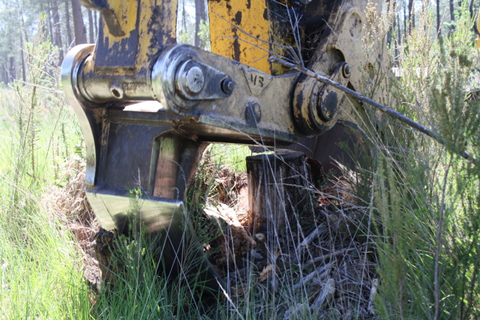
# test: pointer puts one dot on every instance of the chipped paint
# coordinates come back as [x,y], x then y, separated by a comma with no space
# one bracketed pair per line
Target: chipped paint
[239,31]
[148,27]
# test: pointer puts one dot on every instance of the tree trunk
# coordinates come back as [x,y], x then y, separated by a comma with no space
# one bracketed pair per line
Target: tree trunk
[24,65]
[78,25]
[49,18]
[439,30]
[390,34]
[279,187]
[67,22]
[452,10]
[3,74]
[91,37]
[452,16]
[411,15]
[200,15]
[12,74]
[57,39]
[399,31]
[24,41]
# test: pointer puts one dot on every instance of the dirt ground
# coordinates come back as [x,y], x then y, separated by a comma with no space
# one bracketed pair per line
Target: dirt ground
[329,243]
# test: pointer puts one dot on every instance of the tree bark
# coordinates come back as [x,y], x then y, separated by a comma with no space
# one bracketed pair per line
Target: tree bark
[4,74]
[49,20]
[452,10]
[91,37]
[67,22]
[278,189]
[200,15]
[57,33]
[390,35]
[411,15]
[439,29]
[78,25]
[23,46]
[399,32]
[24,65]
[12,74]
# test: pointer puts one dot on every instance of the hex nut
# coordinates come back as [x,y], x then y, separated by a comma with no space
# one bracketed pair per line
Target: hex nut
[227,85]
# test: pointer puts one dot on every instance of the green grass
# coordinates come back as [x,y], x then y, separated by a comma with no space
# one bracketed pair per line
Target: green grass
[42,275]
[41,268]
[230,154]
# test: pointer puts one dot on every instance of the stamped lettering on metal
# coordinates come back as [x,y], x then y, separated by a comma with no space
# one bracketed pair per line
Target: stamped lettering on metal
[257,81]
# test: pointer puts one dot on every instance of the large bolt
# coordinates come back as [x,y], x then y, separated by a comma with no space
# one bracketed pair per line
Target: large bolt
[328,106]
[191,78]
[195,80]
[346,70]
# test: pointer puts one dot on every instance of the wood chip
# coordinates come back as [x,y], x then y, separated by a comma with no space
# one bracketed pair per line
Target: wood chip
[373,292]
[266,273]
[325,294]
[318,273]
[315,233]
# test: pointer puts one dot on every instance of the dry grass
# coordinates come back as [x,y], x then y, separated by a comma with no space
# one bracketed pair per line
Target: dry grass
[322,262]
[70,205]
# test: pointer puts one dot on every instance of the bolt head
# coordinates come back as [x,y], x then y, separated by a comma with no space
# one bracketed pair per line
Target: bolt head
[347,70]
[194,80]
[328,106]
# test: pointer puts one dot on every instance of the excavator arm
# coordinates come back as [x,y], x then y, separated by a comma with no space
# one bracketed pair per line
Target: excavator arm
[149,106]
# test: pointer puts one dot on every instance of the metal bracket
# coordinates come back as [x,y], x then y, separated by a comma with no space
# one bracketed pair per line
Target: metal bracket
[180,80]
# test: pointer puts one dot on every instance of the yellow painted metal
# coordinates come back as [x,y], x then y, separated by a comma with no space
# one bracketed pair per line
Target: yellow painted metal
[126,13]
[141,21]
[239,30]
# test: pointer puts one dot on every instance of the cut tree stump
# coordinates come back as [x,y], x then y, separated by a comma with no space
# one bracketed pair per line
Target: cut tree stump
[279,188]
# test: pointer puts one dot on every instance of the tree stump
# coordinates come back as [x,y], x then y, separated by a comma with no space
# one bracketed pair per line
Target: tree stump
[279,189]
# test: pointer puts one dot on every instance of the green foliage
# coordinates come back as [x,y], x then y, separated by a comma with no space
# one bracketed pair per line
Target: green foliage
[141,287]
[425,195]
[185,35]
[137,291]
[41,273]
